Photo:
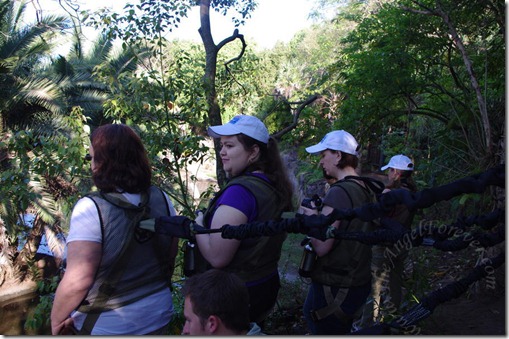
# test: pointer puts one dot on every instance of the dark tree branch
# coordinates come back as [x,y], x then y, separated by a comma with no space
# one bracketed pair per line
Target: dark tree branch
[296,114]
[232,38]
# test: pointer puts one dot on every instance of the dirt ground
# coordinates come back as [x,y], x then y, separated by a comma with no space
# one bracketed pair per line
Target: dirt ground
[483,314]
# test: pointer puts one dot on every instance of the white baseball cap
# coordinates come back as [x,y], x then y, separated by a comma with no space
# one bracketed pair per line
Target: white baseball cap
[242,124]
[337,141]
[400,162]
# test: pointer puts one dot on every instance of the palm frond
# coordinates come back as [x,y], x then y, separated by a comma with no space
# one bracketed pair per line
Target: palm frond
[55,243]
[45,206]
[100,51]
[121,62]
[42,92]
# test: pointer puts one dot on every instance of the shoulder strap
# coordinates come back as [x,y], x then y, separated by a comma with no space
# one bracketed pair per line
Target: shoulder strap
[119,200]
[374,185]
[100,215]
[345,223]
[260,188]
[252,178]
[348,194]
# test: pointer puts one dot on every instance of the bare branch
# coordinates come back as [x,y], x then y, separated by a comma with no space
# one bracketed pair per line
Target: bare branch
[231,38]
[235,35]
[296,113]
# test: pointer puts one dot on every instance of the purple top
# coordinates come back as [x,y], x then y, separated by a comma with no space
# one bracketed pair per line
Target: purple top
[241,198]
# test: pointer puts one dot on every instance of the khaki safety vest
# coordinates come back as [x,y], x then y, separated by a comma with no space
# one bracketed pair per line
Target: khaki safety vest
[148,267]
[256,257]
[348,264]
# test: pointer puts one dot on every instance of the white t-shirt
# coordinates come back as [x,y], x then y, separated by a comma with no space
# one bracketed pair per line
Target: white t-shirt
[141,315]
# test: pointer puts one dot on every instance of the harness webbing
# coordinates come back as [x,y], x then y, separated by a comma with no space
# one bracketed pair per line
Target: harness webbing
[333,305]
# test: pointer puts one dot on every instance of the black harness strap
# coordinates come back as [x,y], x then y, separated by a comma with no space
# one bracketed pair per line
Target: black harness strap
[333,305]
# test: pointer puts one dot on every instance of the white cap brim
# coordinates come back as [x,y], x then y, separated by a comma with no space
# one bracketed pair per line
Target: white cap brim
[219,131]
[316,149]
[389,165]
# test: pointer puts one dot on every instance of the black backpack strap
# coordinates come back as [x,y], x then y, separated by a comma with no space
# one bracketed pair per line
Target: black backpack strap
[351,206]
[374,185]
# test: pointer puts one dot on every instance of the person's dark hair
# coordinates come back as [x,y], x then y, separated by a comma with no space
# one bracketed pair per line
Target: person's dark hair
[220,293]
[120,159]
[347,160]
[270,163]
[405,180]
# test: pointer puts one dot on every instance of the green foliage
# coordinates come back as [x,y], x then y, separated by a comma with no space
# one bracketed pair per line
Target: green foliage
[27,96]
[238,83]
[39,159]
[291,297]
[140,23]
[242,7]
[167,118]
[75,75]
[401,68]
[178,320]
[40,318]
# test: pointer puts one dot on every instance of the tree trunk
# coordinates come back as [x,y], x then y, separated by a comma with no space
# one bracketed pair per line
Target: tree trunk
[6,253]
[209,80]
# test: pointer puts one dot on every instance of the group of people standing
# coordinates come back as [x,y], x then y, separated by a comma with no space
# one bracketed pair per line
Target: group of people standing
[117,278]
